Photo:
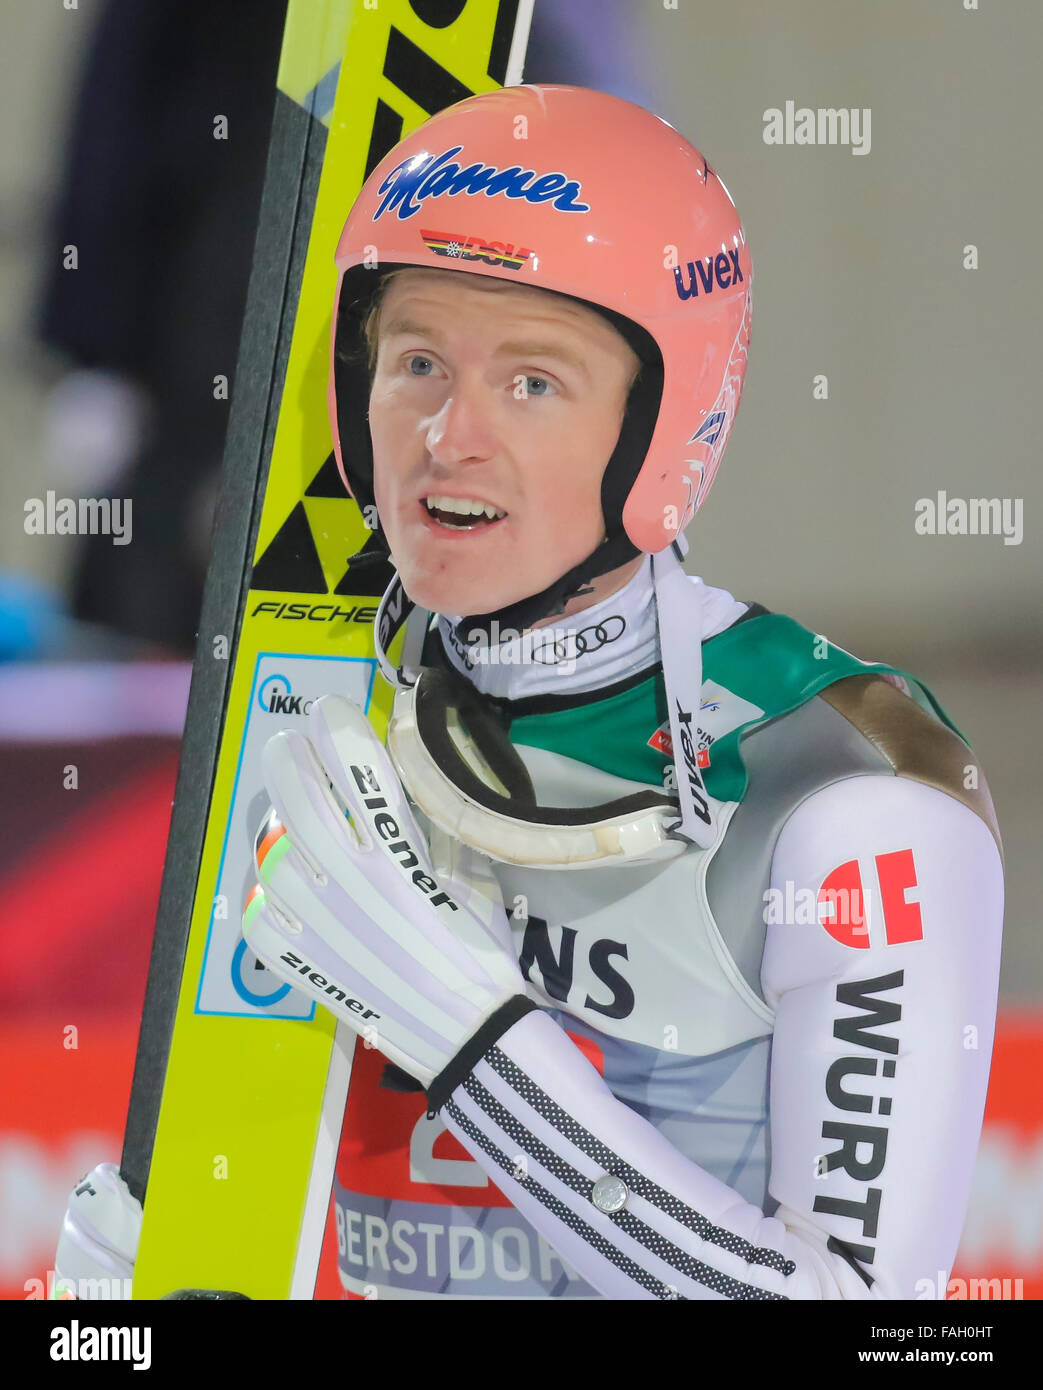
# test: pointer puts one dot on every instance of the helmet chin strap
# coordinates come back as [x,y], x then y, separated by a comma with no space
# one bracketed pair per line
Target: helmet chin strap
[614,551]
[395,612]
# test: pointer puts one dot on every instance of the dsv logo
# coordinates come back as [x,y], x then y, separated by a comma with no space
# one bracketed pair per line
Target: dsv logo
[571,644]
[276,696]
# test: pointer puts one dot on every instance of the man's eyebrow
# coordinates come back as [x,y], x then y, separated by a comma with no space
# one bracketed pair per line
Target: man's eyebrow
[534,348]
[408,328]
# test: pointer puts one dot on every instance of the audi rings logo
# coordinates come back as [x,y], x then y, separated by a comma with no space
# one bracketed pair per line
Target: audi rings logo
[558,646]
[572,644]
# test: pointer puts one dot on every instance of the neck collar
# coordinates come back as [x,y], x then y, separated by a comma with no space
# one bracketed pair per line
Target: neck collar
[595,647]
[590,650]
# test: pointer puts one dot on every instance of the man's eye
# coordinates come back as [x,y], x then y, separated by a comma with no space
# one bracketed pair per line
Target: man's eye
[537,386]
[421,366]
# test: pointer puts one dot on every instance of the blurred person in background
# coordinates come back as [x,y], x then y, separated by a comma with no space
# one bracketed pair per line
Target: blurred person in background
[163,214]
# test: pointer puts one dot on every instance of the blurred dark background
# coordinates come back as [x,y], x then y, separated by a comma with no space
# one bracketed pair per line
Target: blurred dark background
[163,215]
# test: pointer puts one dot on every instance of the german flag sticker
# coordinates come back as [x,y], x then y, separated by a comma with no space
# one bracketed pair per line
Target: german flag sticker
[460,246]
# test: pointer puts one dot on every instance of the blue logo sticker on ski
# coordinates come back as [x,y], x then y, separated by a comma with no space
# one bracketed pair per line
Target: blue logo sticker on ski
[232,981]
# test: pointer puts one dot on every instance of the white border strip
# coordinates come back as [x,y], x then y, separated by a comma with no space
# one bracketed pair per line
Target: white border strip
[520,42]
[323,1166]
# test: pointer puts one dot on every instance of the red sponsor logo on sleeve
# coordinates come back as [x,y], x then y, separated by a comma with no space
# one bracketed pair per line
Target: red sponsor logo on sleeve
[843,903]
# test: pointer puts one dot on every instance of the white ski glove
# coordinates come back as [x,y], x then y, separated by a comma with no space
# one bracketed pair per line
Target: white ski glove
[351,909]
[99,1240]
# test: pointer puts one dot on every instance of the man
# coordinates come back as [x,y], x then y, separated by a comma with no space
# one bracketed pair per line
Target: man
[682,922]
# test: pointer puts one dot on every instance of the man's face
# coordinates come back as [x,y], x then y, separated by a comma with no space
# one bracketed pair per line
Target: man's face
[496,394]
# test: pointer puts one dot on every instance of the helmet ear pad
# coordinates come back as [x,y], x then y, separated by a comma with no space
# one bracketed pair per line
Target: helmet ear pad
[351,380]
[360,287]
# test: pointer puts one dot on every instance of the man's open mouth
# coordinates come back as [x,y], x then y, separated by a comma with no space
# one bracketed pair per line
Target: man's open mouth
[462,513]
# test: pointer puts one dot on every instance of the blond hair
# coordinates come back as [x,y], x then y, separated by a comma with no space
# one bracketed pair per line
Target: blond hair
[371,328]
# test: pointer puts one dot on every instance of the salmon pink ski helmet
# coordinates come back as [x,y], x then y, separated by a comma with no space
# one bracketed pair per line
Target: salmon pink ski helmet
[586,195]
